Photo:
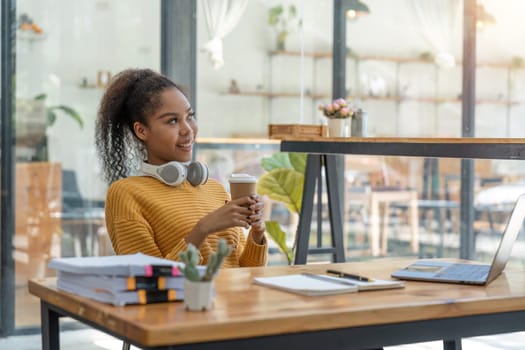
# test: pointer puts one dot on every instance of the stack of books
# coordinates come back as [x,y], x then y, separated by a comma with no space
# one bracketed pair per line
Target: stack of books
[121,279]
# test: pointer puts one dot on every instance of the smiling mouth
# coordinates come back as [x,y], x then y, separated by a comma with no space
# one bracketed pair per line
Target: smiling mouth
[185,145]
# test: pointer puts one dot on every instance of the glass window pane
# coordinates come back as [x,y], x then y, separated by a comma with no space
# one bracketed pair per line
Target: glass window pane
[499,84]
[64,60]
[261,80]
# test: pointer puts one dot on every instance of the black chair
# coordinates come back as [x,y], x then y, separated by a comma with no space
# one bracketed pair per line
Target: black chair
[80,215]
[72,200]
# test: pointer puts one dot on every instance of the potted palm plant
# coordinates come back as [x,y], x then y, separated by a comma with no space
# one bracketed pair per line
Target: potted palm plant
[199,287]
[33,117]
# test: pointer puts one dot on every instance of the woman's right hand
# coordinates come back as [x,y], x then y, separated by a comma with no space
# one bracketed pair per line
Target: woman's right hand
[236,212]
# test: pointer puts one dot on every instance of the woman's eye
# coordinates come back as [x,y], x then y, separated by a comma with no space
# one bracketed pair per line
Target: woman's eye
[191,116]
[172,121]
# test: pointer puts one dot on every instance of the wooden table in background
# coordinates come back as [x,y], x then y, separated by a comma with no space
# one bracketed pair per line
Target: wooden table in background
[248,316]
[385,198]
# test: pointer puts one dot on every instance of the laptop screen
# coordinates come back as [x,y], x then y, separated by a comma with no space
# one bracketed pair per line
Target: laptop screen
[510,234]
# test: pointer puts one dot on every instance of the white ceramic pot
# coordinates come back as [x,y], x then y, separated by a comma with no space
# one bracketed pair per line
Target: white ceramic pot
[338,127]
[198,296]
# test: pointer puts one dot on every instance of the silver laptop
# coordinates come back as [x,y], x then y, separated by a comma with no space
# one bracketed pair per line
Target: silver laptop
[480,274]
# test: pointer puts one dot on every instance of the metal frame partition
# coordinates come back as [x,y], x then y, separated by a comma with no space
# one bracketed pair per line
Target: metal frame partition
[7,218]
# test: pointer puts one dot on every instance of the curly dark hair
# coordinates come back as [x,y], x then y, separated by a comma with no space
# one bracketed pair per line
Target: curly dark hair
[130,97]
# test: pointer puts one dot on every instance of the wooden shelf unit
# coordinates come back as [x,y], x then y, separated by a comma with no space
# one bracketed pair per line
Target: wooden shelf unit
[396,98]
[371,98]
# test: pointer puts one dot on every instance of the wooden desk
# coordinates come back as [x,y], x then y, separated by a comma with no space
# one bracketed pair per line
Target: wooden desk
[248,316]
[329,148]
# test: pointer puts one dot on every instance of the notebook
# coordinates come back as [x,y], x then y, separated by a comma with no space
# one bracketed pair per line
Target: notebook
[120,298]
[478,274]
[304,284]
[375,284]
[114,283]
[118,265]
[317,284]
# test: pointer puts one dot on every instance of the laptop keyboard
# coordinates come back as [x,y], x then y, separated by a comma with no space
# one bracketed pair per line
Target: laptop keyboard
[465,272]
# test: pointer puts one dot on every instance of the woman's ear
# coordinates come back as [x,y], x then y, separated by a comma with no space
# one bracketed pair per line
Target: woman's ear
[141,131]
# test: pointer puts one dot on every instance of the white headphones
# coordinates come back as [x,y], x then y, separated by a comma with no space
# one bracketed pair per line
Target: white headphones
[174,173]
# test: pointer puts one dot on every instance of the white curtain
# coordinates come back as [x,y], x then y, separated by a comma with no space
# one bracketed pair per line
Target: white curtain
[437,20]
[221,18]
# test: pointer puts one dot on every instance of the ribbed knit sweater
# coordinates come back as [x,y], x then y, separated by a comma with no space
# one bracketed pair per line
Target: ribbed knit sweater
[144,215]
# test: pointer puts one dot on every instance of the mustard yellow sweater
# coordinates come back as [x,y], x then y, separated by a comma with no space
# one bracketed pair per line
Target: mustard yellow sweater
[144,215]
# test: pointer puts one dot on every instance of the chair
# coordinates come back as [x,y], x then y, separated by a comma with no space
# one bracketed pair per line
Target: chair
[72,199]
[80,215]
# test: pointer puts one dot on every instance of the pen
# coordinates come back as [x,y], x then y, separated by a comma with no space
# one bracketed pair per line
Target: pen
[349,275]
[327,279]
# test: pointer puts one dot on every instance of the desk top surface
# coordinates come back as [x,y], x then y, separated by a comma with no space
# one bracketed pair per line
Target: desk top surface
[476,148]
[410,140]
[242,309]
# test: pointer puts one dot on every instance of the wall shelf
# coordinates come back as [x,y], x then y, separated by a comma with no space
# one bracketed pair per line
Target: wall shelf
[503,99]
[393,59]
[372,98]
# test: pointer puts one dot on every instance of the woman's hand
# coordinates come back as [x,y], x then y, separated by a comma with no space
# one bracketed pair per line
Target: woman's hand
[256,219]
[237,212]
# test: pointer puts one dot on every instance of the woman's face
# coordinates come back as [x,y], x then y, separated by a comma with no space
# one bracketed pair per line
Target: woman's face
[171,130]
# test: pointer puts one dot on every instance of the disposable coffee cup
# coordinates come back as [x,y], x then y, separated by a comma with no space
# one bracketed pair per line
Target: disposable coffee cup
[242,185]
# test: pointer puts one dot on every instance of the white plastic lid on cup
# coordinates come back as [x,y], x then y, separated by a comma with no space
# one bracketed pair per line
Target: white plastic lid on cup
[242,178]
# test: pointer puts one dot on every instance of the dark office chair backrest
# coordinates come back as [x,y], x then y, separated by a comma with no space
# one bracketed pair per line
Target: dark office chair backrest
[71,197]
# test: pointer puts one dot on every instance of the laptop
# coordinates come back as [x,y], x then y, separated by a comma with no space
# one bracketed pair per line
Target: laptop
[478,274]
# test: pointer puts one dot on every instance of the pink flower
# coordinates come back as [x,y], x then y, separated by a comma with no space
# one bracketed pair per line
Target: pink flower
[345,112]
[338,108]
[341,102]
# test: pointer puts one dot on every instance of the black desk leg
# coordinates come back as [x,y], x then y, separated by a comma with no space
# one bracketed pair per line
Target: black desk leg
[50,327]
[452,344]
[334,207]
[311,173]
[314,162]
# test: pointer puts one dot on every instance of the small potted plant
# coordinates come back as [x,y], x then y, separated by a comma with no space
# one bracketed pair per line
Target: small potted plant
[283,20]
[198,287]
[338,114]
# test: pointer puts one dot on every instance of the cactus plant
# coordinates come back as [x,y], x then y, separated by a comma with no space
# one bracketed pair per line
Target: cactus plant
[190,257]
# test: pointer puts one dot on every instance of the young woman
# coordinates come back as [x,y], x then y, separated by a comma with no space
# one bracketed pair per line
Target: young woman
[146,126]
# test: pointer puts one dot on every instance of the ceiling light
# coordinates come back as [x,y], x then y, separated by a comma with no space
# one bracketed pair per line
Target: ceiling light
[355,8]
[483,18]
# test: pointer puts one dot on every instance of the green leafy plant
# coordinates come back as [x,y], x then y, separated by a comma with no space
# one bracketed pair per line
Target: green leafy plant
[516,62]
[190,257]
[283,20]
[52,112]
[283,182]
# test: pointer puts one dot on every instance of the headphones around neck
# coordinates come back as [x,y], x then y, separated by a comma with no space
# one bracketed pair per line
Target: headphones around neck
[174,173]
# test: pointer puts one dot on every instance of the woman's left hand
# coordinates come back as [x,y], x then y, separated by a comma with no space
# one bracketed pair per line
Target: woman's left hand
[256,219]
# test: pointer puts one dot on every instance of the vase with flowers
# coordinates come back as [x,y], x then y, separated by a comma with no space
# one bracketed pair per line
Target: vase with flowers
[339,116]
